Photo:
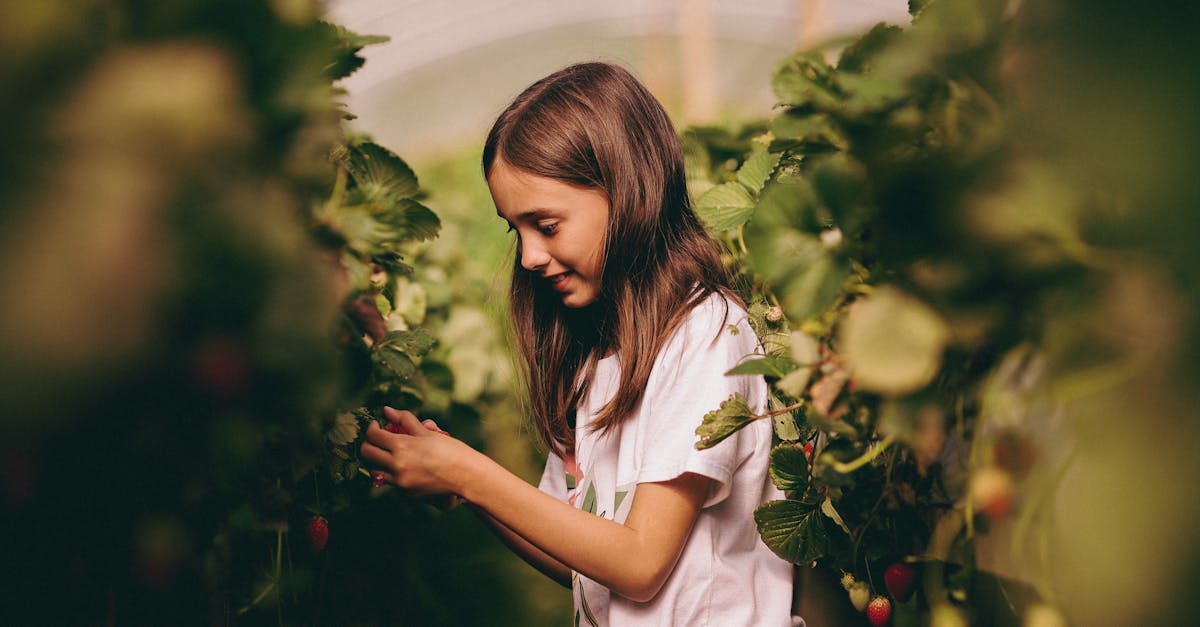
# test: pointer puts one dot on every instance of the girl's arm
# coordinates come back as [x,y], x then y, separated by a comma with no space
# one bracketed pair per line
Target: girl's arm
[632,559]
[532,555]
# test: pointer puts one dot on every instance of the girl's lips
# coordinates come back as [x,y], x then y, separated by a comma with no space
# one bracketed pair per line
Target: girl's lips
[559,281]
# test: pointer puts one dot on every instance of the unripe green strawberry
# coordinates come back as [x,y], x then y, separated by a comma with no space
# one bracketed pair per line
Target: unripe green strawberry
[860,594]
[318,533]
[879,611]
[847,581]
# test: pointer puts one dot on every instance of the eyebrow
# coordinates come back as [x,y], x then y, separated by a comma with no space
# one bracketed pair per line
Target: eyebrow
[536,213]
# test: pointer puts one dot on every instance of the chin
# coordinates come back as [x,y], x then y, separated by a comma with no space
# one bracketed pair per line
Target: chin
[577,301]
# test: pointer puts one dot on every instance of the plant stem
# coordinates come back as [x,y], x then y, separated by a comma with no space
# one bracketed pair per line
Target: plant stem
[865,458]
[782,410]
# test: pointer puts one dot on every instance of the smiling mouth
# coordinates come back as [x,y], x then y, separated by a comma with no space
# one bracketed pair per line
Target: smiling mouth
[559,281]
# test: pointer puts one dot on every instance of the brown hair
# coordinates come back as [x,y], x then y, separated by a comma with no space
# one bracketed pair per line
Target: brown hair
[595,125]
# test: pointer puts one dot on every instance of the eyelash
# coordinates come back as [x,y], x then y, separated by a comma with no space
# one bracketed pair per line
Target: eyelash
[547,230]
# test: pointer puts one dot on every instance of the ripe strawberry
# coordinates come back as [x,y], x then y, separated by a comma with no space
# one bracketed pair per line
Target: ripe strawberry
[992,489]
[808,450]
[378,480]
[879,611]
[318,533]
[899,579]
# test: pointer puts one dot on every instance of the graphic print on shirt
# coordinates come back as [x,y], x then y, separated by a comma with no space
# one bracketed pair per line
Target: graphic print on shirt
[591,598]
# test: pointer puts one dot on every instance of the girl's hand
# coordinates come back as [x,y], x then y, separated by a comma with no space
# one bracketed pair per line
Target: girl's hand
[419,458]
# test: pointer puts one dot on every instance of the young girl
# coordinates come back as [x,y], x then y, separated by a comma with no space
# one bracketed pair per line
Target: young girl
[625,326]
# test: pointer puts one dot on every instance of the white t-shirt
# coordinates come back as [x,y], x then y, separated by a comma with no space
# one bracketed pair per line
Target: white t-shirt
[725,576]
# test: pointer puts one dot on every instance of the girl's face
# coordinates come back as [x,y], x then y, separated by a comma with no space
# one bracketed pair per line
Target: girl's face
[560,228]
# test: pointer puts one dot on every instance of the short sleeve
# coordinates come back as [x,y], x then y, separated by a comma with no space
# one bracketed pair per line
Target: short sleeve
[689,381]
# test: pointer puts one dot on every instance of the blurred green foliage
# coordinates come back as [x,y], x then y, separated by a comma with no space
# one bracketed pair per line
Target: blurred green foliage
[964,245]
[210,288]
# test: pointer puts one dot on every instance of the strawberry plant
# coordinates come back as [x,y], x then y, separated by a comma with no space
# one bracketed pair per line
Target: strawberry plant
[215,290]
[928,280]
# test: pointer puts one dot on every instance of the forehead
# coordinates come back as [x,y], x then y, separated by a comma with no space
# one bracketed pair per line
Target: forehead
[518,193]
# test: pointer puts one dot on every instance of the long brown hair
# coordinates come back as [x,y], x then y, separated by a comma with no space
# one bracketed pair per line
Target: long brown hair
[595,125]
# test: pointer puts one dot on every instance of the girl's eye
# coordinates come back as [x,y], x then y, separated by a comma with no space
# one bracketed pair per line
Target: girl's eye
[548,229]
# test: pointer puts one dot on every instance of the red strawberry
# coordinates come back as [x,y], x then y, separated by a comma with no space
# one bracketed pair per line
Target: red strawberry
[992,489]
[808,449]
[378,480]
[899,579]
[879,611]
[318,533]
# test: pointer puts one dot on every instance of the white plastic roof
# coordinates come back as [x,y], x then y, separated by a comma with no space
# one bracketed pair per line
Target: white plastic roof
[450,67]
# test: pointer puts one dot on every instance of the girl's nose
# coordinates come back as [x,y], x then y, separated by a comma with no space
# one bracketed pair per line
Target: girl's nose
[533,257]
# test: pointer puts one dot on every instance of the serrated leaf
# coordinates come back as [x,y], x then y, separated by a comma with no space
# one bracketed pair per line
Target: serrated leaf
[724,207]
[420,222]
[379,174]
[732,415]
[789,467]
[770,365]
[757,169]
[793,530]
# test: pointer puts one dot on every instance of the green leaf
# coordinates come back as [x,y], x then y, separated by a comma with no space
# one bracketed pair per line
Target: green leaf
[857,57]
[805,79]
[828,509]
[841,184]
[414,342]
[724,207]
[785,427]
[410,220]
[757,169]
[393,361]
[732,415]
[770,365]
[811,292]
[892,343]
[789,467]
[347,60]
[793,530]
[361,229]
[788,201]
[380,175]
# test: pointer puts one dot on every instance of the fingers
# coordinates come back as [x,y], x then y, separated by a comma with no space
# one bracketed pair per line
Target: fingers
[376,455]
[401,421]
[379,437]
[433,426]
[407,421]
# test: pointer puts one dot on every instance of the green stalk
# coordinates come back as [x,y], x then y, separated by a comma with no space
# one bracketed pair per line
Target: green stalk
[865,458]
